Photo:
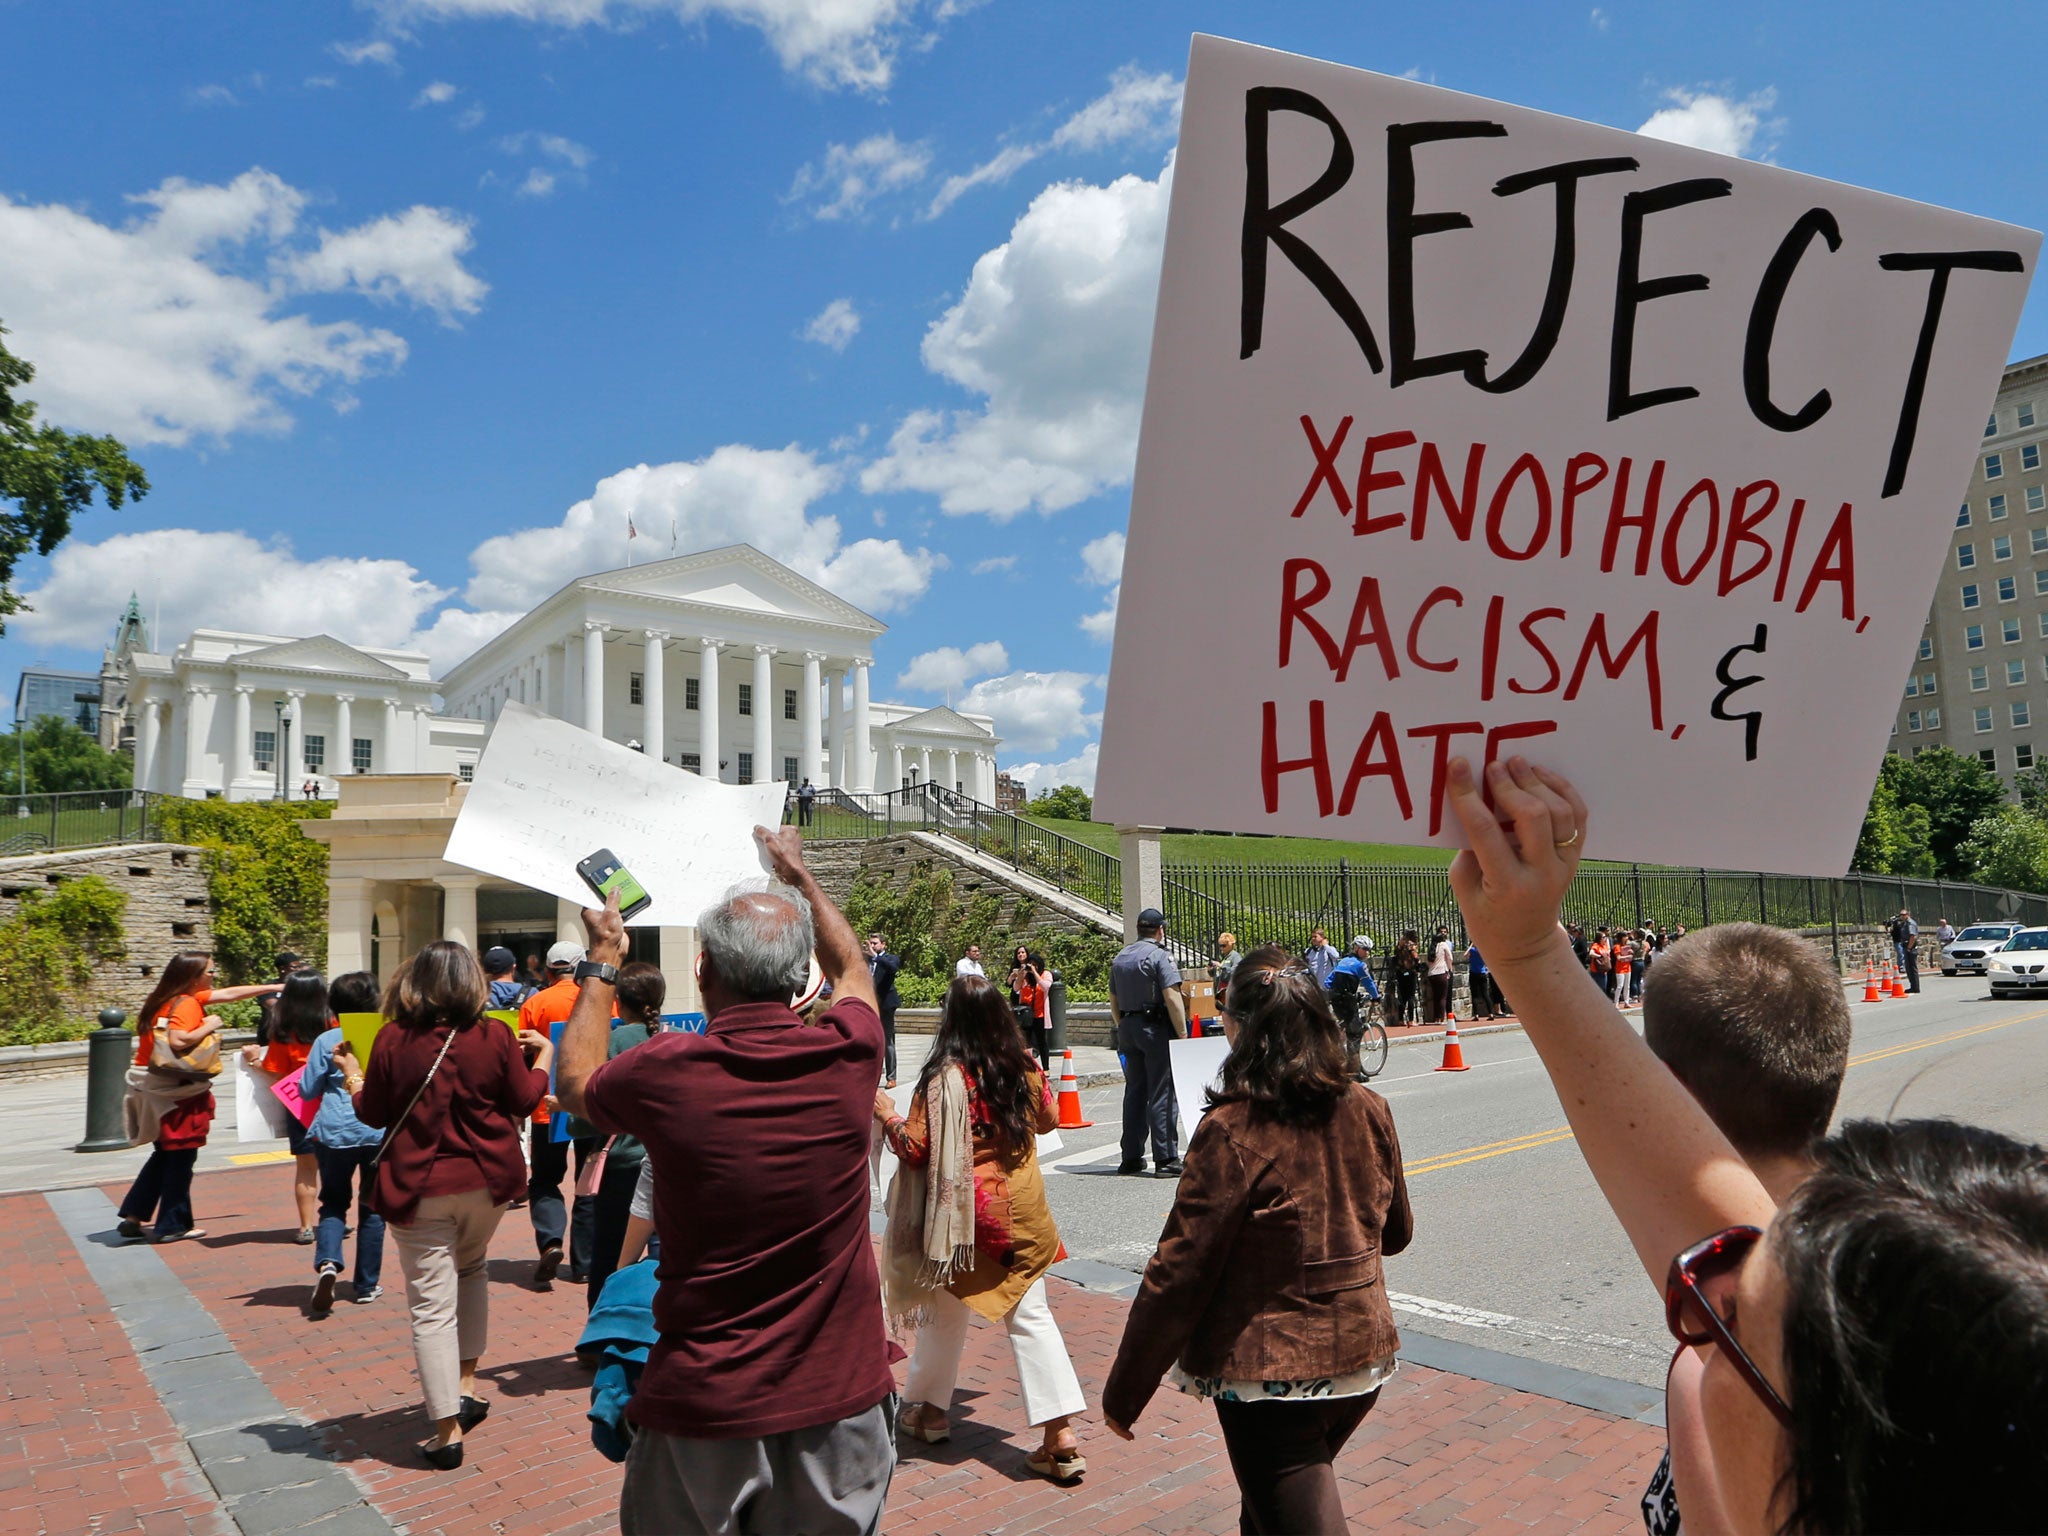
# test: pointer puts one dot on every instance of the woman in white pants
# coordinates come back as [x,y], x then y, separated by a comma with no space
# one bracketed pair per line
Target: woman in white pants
[969,1229]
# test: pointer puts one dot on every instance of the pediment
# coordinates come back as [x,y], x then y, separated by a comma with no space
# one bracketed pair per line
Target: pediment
[320,653]
[941,721]
[739,579]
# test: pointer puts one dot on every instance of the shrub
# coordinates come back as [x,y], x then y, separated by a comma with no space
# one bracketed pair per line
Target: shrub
[266,880]
[48,951]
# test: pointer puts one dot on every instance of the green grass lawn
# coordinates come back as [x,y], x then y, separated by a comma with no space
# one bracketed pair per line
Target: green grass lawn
[1227,848]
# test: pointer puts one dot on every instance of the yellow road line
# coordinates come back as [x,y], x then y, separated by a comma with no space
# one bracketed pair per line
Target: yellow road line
[1485,1150]
[1885,1052]
[247,1158]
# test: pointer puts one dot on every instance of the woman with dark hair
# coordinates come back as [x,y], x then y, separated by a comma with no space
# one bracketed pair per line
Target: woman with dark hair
[1407,967]
[342,1147]
[450,1090]
[1034,990]
[1873,1354]
[175,1012]
[1292,1159]
[969,1228]
[300,1018]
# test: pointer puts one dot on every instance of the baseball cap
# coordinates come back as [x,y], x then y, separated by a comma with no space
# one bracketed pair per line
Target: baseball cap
[1151,917]
[499,958]
[564,954]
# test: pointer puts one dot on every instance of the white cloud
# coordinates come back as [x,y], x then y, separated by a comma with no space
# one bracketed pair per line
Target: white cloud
[179,324]
[1100,626]
[1035,711]
[734,495]
[415,255]
[469,117]
[552,146]
[538,183]
[992,172]
[1103,559]
[1053,330]
[947,669]
[834,326]
[376,50]
[1722,124]
[226,580]
[852,43]
[1078,770]
[457,634]
[1137,106]
[851,176]
[440,93]
[211,96]
[993,564]
[1600,19]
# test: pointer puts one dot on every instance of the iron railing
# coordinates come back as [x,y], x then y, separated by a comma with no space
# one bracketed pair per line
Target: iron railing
[82,818]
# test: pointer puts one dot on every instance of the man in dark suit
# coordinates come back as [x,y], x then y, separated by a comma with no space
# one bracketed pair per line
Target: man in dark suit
[883,966]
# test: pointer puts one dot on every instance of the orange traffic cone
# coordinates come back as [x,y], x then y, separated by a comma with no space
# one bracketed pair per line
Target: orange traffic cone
[1898,982]
[1070,1098]
[1454,1056]
[1870,993]
[1884,981]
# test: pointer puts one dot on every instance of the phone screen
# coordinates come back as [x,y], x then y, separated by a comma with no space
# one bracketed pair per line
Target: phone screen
[620,879]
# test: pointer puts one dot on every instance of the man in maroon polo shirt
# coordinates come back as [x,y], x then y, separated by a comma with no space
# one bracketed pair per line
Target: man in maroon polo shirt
[767,1405]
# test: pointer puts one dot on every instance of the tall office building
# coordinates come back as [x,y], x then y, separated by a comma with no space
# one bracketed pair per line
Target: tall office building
[1979,679]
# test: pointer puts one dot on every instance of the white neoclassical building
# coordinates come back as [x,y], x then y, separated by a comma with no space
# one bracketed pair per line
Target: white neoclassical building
[724,663]
[253,717]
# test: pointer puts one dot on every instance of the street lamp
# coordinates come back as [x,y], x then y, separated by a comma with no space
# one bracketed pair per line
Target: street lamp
[286,713]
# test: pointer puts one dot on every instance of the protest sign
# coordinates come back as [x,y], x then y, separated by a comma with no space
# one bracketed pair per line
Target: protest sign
[1471,430]
[360,1030]
[548,793]
[258,1114]
[1197,1067]
[295,1102]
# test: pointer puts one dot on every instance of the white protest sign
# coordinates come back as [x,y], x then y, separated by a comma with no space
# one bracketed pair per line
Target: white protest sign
[548,794]
[1472,430]
[259,1116]
[1197,1067]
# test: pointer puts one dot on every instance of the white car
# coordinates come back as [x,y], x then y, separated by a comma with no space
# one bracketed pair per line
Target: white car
[2022,966]
[1968,950]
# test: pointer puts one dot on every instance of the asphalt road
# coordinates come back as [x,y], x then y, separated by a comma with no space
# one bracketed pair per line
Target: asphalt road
[1514,1247]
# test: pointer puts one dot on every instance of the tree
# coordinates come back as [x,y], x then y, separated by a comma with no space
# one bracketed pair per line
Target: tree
[2009,847]
[59,756]
[1069,802]
[1956,792]
[2033,789]
[266,880]
[47,477]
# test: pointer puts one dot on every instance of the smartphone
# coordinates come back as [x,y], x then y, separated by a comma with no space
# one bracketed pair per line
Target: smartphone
[604,874]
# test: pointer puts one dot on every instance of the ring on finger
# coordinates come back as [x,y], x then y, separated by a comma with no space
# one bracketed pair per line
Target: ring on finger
[1568,841]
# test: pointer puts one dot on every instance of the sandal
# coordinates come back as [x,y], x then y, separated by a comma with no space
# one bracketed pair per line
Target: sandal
[919,1427]
[1060,1466]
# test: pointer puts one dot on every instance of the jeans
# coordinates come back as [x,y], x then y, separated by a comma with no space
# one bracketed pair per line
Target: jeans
[1281,1455]
[163,1189]
[544,1197]
[1148,1089]
[340,1168]
[889,1042]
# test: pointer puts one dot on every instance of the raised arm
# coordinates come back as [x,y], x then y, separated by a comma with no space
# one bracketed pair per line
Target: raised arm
[839,952]
[586,1038]
[1668,1173]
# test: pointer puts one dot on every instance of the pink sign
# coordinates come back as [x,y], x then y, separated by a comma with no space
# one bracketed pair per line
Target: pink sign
[287,1090]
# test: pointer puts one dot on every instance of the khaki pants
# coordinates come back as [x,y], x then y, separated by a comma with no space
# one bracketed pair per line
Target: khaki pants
[441,1252]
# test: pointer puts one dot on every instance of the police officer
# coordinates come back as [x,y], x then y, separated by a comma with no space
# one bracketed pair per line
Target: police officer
[1144,986]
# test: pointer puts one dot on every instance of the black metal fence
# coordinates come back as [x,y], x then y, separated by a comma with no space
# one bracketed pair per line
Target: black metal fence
[84,818]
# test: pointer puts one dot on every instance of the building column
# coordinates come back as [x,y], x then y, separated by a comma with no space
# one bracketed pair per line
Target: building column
[350,906]
[146,743]
[195,740]
[860,773]
[707,708]
[766,707]
[458,908]
[807,714]
[389,747]
[546,667]
[835,749]
[297,709]
[653,711]
[924,765]
[1144,875]
[593,676]
[895,765]
[569,922]
[343,758]
[241,752]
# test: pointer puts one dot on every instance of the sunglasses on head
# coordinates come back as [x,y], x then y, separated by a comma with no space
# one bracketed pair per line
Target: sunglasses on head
[1710,1267]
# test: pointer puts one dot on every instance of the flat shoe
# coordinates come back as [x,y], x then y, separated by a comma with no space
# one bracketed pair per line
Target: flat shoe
[930,1434]
[550,1264]
[175,1237]
[473,1412]
[442,1458]
[1060,1466]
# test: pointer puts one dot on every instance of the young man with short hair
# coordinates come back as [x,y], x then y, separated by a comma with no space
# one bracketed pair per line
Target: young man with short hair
[1755,1024]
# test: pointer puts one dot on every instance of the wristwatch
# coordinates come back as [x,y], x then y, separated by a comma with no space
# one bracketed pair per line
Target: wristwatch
[597,970]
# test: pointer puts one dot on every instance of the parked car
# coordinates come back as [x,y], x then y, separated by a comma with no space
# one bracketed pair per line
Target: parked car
[1970,949]
[2022,966]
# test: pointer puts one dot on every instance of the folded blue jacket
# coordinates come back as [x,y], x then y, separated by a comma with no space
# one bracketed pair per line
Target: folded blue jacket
[621,1332]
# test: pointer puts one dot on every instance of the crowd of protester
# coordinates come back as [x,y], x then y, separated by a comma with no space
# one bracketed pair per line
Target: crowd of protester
[1860,1319]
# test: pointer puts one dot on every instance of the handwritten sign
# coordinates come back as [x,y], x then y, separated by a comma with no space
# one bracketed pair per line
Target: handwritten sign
[259,1116]
[294,1100]
[1472,430]
[1197,1067]
[548,794]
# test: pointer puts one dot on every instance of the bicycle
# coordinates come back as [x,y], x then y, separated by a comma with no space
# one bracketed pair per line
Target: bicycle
[1372,1040]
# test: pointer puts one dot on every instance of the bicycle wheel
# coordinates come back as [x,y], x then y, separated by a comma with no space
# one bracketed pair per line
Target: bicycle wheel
[1372,1048]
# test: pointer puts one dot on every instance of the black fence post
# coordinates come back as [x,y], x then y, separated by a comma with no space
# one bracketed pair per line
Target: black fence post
[1344,900]
[1635,876]
[1706,910]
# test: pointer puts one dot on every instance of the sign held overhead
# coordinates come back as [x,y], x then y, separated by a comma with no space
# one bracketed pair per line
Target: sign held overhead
[1485,431]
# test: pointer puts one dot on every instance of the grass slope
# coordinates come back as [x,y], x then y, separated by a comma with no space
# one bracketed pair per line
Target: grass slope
[1228,848]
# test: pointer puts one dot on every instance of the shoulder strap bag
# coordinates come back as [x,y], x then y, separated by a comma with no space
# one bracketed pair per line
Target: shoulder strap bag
[376,1160]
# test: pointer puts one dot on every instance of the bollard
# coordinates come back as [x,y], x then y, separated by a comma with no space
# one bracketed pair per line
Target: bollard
[109,1050]
[1056,1014]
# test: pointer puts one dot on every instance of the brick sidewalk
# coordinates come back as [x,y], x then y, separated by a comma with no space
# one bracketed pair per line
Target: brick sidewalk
[90,1448]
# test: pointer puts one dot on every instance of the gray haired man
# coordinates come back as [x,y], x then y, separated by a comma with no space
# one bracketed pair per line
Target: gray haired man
[767,1403]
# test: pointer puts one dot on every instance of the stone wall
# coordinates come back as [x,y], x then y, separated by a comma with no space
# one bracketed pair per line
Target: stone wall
[167,906]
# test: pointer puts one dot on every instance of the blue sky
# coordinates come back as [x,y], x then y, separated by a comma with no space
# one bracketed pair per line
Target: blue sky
[395,300]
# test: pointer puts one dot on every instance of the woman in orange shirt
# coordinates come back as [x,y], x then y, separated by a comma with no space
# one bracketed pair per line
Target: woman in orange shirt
[301,1018]
[1034,978]
[177,1006]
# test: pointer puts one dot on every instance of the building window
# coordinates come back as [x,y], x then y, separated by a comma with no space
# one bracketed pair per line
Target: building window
[1973,634]
[316,753]
[2038,539]
[1970,596]
[1934,719]
[2022,715]
[636,688]
[2015,673]
[2030,456]
[789,703]
[1913,687]
[2009,631]
[1966,556]
[1980,679]
[747,763]
[2037,498]
[2022,756]
[266,750]
[690,693]
[359,754]
[1927,647]
[746,703]
[465,772]
[691,762]
[1912,719]
[1927,682]
[2008,589]
[790,770]
[2001,547]
[1984,719]
[1989,758]
[1963,516]
[1996,507]
[1994,466]
[1991,425]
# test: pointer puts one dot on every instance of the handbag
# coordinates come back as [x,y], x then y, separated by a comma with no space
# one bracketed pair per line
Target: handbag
[376,1159]
[202,1060]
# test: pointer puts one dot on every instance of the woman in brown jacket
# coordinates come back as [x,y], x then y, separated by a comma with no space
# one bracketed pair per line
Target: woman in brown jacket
[1265,1294]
